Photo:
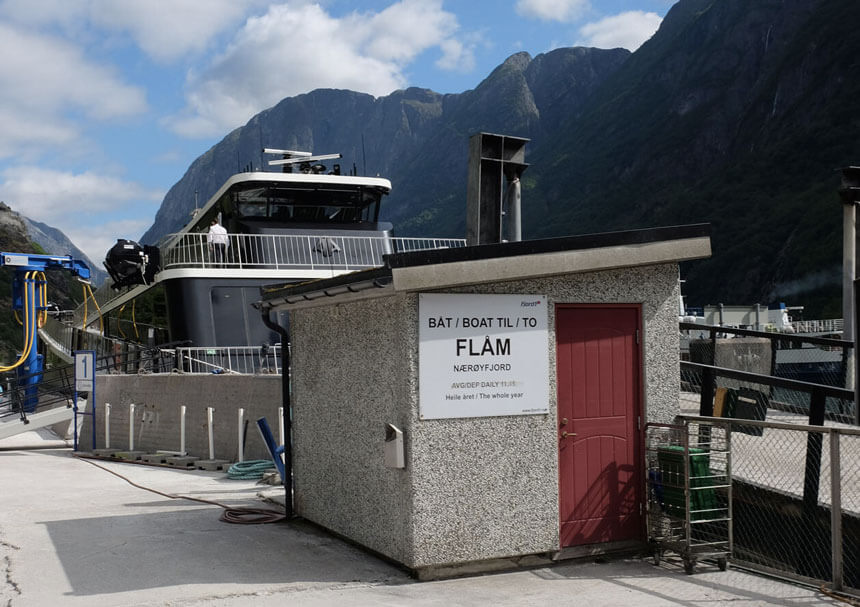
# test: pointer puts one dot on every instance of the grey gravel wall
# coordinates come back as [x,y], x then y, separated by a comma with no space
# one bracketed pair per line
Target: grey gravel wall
[353,372]
[473,489]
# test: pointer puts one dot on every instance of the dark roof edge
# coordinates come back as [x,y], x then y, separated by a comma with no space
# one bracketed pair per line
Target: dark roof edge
[382,276]
[548,245]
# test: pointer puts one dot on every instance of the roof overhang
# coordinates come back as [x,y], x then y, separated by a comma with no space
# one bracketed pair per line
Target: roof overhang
[505,262]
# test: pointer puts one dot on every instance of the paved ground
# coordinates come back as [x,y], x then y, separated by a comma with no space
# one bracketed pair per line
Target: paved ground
[73,534]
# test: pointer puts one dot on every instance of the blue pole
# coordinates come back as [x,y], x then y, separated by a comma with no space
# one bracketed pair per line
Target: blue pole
[31,371]
[266,433]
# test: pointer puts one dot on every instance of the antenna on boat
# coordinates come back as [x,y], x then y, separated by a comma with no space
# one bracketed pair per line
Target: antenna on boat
[291,157]
[286,155]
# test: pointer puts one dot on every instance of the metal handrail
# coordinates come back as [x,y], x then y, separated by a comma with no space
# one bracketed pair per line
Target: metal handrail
[786,337]
[241,360]
[275,252]
[293,251]
[770,380]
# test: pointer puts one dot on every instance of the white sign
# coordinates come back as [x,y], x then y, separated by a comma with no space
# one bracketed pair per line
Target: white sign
[482,355]
[85,372]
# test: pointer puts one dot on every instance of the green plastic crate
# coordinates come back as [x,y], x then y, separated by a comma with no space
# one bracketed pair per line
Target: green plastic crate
[671,462]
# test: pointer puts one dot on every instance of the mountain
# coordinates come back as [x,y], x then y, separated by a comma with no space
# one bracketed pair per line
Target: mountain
[734,113]
[415,137]
[54,242]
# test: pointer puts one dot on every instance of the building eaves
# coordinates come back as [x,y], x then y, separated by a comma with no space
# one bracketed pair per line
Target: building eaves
[441,268]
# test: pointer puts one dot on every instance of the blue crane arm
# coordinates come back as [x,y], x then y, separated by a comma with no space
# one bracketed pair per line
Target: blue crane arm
[29,297]
[35,262]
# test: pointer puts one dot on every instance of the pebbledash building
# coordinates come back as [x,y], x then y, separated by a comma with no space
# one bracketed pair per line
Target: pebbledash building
[469,408]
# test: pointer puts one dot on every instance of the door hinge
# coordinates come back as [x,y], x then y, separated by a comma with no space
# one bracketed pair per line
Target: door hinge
[637,337]
[640,509]
[639,422]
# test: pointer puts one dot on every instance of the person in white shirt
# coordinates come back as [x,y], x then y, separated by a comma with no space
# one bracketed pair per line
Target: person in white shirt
[218,242]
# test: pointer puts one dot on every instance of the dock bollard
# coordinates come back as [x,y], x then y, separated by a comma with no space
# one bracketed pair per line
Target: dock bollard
[211,463]
[182,460]
[107,425]
[209,415]
[241,442]
[131,427]
[107,451]
[182,451]
[131,454]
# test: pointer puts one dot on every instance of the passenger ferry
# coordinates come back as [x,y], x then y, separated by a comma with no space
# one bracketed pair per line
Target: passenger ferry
[306,222]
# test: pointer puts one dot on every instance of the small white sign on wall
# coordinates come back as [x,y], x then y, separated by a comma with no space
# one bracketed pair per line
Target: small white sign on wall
[85,372]
[482,355]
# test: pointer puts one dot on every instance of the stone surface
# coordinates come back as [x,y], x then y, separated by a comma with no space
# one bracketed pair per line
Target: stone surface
[182,461]
[212,464]
[473,489]
[155,458]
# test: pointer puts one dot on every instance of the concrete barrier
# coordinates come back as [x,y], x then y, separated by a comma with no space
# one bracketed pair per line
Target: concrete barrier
[158,398]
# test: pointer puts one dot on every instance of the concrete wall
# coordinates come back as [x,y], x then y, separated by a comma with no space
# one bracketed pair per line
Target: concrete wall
[157,420]
[473,489]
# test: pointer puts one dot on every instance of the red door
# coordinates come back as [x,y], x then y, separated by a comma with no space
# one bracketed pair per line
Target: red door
[600,480]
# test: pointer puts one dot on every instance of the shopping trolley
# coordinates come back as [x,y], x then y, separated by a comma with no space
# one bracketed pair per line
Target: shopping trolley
[689,492]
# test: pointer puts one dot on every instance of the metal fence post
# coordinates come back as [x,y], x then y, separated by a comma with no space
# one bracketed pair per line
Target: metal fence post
[836,509]
[706,403]
[812,477]
[714,346]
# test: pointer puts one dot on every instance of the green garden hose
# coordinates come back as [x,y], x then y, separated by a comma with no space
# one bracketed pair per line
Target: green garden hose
[250,469]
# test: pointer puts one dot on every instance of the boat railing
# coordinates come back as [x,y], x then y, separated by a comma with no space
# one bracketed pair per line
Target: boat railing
[292,251]
[335,253]
[826,326]
[243,360]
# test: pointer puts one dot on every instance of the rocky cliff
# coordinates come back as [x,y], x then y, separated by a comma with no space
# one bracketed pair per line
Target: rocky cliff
[734,113]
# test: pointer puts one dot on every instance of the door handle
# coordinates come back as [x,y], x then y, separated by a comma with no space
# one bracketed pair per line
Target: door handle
[566,434]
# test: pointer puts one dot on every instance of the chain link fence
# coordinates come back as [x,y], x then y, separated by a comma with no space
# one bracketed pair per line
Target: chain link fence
[795,447]
[796,501]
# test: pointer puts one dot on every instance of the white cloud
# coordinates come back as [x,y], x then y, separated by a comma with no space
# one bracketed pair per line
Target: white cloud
[298,46]
[96,240]
[625,30]
[165,31]
[455,56]
[564,11]
[78,203]
[44,81]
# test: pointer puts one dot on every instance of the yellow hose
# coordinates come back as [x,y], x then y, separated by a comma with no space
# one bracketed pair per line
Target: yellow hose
[133,321]
[43,299]
[119,321]
[84,289]
[101,318]
[28,341]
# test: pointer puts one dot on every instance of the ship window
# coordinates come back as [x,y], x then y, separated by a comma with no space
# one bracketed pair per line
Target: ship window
[303,203]
[252,209]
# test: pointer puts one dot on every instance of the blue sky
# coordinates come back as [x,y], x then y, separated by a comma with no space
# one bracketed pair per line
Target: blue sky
[105,103]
